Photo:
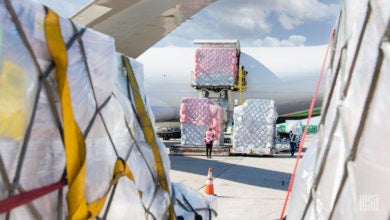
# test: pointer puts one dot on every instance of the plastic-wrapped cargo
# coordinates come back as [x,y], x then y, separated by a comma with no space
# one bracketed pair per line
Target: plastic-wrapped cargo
[74,116]
[313,125]
[192,204]
[32,150]
[254,127]
[196,116]
[348,175]
[215,67]
[282,145]
[303,182]
[295,126]
[139,156]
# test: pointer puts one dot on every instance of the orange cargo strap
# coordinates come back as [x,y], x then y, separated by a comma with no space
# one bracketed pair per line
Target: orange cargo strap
[147,128]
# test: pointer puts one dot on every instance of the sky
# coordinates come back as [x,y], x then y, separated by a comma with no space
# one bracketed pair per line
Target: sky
[265,23]
[255,23]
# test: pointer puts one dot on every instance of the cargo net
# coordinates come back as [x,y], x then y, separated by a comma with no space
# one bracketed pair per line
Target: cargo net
[76,139]
[215,67]
[197,115]
[254,127]
[345,172]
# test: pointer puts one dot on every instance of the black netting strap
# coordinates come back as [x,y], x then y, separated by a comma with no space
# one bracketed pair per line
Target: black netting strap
[22,153]
[129,90]
[42,75]
[69,44]
[4,176]
[7,185]
[197,216]
[59,203]
[360,42]
[110,201]
[97,108]
[97,111]
[322,165]
[140,152]
[48,89]
[147,209]
[181,204]
[345,92]
[362,125]
[21,32]
[332,87]
[210,210]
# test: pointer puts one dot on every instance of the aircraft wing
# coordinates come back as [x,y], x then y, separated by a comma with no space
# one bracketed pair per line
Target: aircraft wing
[137,24]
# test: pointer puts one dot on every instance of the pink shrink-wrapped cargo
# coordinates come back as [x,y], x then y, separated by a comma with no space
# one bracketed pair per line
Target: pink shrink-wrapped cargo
[195,111]
[217,122]
[196,116]
[215,66]
[215,60]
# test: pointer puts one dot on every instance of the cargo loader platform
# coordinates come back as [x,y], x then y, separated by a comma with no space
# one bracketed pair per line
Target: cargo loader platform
[197,150]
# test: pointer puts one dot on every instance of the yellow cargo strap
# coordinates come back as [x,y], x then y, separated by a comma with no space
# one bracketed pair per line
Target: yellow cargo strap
[74,142]
[120,169]
[148,132]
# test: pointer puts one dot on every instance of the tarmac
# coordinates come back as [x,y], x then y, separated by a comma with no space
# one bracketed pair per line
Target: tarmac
[247,187]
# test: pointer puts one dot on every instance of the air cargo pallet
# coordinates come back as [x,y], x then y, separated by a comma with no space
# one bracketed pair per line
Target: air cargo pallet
[196,150]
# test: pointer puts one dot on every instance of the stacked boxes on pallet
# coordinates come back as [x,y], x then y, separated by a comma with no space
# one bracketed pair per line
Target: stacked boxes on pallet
[196,116]
[215,67]
[100,101]
[254,127]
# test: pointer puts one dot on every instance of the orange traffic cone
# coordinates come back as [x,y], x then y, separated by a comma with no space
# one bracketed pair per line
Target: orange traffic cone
[209,188]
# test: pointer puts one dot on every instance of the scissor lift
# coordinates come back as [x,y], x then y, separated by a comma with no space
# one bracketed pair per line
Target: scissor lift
[223,94]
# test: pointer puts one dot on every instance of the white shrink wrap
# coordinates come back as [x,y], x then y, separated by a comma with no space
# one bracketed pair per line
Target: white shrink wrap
[254,127]
[304,181]
[42,162]
[351,168]
[295,126]
[103,106]
[136,150]
[191,203]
